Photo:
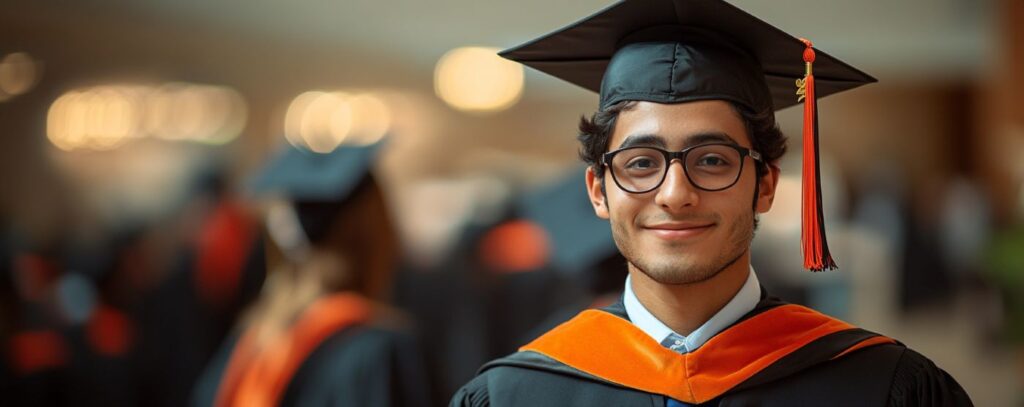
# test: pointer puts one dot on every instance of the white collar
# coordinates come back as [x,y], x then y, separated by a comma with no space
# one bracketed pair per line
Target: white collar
[743,302]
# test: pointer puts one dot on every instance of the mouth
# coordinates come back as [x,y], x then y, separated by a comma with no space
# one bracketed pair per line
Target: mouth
[680,230]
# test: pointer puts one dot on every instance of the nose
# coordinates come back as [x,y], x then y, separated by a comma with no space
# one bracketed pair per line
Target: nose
[676,191]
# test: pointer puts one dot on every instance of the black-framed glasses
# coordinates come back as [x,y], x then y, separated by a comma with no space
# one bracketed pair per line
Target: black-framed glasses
[710,167]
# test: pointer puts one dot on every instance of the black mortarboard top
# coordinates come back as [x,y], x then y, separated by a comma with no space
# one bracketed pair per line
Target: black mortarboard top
[672,51]
[302,175]
[579,240]
[317,184]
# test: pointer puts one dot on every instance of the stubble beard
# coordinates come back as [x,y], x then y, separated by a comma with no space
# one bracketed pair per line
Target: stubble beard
[688,268]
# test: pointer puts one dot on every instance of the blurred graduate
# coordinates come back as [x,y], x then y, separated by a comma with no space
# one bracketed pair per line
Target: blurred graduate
[683,156]
[321,333]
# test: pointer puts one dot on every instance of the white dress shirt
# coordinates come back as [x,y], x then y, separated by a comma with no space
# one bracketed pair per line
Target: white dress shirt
[744,301]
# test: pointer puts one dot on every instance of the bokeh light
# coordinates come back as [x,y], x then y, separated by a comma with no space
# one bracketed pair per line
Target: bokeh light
[476,79]
[321,121]
[105,117]
[100,118]
[18,74]
[199,113]
[371,119]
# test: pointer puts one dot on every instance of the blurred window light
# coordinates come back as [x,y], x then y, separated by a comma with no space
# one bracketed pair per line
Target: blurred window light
[105,117]
[18,74]
[476,79]
[321,121]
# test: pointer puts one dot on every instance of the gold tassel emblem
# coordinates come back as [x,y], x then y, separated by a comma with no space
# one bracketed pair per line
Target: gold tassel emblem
[801,84]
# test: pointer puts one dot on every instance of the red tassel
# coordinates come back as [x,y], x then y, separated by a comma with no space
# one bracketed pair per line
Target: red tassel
[815,248]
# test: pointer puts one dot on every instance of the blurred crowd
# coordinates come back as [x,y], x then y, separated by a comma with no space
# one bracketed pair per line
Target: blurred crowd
[200,198]
[138,316]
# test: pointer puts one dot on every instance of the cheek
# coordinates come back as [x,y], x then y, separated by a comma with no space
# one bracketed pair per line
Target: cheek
[622,206]
[731,203]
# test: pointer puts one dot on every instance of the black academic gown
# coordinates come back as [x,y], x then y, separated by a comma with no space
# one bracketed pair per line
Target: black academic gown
[372,363]
[777,355]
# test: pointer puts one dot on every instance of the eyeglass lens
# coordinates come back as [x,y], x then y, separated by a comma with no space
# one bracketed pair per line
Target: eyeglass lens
[710,167]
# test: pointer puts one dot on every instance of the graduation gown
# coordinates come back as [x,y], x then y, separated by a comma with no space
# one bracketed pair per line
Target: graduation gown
[779,354]
[346,358]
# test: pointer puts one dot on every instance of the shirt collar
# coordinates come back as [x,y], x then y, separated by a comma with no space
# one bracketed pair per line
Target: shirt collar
[743,302]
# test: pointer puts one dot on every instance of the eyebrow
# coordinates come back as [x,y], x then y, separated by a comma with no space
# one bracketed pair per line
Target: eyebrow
[654,140]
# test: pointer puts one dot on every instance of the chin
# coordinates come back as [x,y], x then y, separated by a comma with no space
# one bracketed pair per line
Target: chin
[678,271]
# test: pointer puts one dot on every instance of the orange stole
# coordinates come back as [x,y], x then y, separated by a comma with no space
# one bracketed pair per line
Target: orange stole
[594,342]
[259,377]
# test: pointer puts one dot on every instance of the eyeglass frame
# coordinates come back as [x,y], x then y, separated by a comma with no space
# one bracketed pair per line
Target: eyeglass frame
[670,156]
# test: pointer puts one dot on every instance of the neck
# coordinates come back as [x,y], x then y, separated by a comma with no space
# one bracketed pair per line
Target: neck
[685,307]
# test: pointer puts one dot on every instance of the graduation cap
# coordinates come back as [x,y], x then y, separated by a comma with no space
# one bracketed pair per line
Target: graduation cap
[579,240]
[673,51]
[317,184]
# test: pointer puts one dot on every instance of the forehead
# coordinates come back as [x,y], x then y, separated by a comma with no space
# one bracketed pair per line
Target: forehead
[677,122]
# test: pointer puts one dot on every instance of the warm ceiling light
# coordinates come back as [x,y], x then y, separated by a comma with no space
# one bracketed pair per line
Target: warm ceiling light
[18,73]
[201,113]
[100,118]
[371,119]
[107,116]
[59,123]
[476,79]
[319,121]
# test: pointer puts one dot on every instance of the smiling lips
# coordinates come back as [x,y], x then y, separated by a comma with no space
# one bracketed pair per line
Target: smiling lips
[679,230]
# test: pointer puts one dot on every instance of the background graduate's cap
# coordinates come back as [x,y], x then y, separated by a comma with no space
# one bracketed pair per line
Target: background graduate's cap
[579,240]
[672,51]
[317,184]
[303,175]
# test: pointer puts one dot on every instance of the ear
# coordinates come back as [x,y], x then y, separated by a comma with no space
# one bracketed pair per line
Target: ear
[597,197]
[766,188]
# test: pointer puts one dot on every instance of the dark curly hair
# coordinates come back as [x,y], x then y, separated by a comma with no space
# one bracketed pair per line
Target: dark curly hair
[764,133]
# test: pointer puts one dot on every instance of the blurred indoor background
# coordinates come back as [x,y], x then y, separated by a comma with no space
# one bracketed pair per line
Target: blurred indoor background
[130,130]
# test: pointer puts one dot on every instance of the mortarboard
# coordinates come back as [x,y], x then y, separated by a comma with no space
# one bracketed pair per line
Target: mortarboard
[578,239]
[303,175]
[317,184]
[672,51]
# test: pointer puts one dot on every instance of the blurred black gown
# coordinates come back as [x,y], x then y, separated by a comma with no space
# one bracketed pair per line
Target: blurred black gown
[375,362]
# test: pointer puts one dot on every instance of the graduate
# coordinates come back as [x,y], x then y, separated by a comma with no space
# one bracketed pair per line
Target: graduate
[682,156]
[320,333]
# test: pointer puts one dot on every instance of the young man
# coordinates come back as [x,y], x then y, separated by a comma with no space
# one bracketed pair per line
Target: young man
[683,155]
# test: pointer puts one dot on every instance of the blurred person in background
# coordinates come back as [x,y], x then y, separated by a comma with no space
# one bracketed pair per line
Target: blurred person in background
[320,333]
[696,82]
[72,336]
[581,248]
[491,289]
[213,271]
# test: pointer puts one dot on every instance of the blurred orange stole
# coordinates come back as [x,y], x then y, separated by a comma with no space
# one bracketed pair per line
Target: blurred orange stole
[258,376]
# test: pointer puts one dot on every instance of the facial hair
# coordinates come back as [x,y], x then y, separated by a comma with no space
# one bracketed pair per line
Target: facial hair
[689,267]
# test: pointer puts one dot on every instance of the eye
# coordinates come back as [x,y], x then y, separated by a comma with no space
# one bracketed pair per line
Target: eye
[642,163]
[712,160]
